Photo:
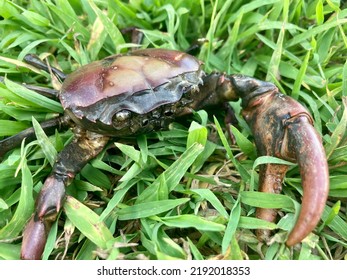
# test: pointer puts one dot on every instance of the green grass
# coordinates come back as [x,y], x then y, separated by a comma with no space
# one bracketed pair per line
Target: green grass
[182,193]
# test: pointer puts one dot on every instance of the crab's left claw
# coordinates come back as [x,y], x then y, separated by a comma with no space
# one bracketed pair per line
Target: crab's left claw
[283,128]
[313,170]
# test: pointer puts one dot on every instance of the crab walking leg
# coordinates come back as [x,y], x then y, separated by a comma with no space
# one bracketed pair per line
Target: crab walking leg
[34,60]
[71,160]
[28,134]
[48,92]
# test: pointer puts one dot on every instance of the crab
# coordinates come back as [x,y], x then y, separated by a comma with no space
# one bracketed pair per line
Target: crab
[146,90]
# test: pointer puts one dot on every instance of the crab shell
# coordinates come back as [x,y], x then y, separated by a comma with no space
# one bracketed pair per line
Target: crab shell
[130,94]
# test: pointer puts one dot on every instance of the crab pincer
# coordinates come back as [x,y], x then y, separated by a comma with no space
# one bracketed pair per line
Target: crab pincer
[283,128]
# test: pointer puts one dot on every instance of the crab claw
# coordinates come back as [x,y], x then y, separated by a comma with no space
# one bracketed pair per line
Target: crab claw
[34,239]
[314,174]
[48,205]
[70,161]
[283,128]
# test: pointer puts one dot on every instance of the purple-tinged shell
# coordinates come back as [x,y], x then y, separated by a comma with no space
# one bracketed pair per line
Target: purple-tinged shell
[138,82]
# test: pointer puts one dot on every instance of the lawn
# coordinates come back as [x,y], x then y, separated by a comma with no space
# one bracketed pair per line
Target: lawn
[187,192]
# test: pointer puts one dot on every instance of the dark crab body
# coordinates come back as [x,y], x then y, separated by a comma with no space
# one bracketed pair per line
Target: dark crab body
[146,90]
[120,95]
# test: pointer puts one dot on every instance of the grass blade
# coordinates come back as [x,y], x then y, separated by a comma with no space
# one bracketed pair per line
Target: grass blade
[173,174]
[147,209]
[25,206]
[88,222]
[36,99]
[185,221]
[46,145]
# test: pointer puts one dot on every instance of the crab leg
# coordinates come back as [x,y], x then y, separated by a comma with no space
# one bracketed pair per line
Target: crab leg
[28,134]
[50,93]
[71,160]
[283,128]
[34,60]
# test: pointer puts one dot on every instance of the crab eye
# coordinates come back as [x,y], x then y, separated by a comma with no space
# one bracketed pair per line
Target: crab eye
[168,113]
[121,119]
[145,122]
[122,116]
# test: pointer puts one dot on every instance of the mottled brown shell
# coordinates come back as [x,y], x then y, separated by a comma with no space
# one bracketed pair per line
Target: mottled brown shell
[138,82]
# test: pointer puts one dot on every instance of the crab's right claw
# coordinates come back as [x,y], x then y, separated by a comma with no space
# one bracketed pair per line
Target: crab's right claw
[34,239]
[48,205]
